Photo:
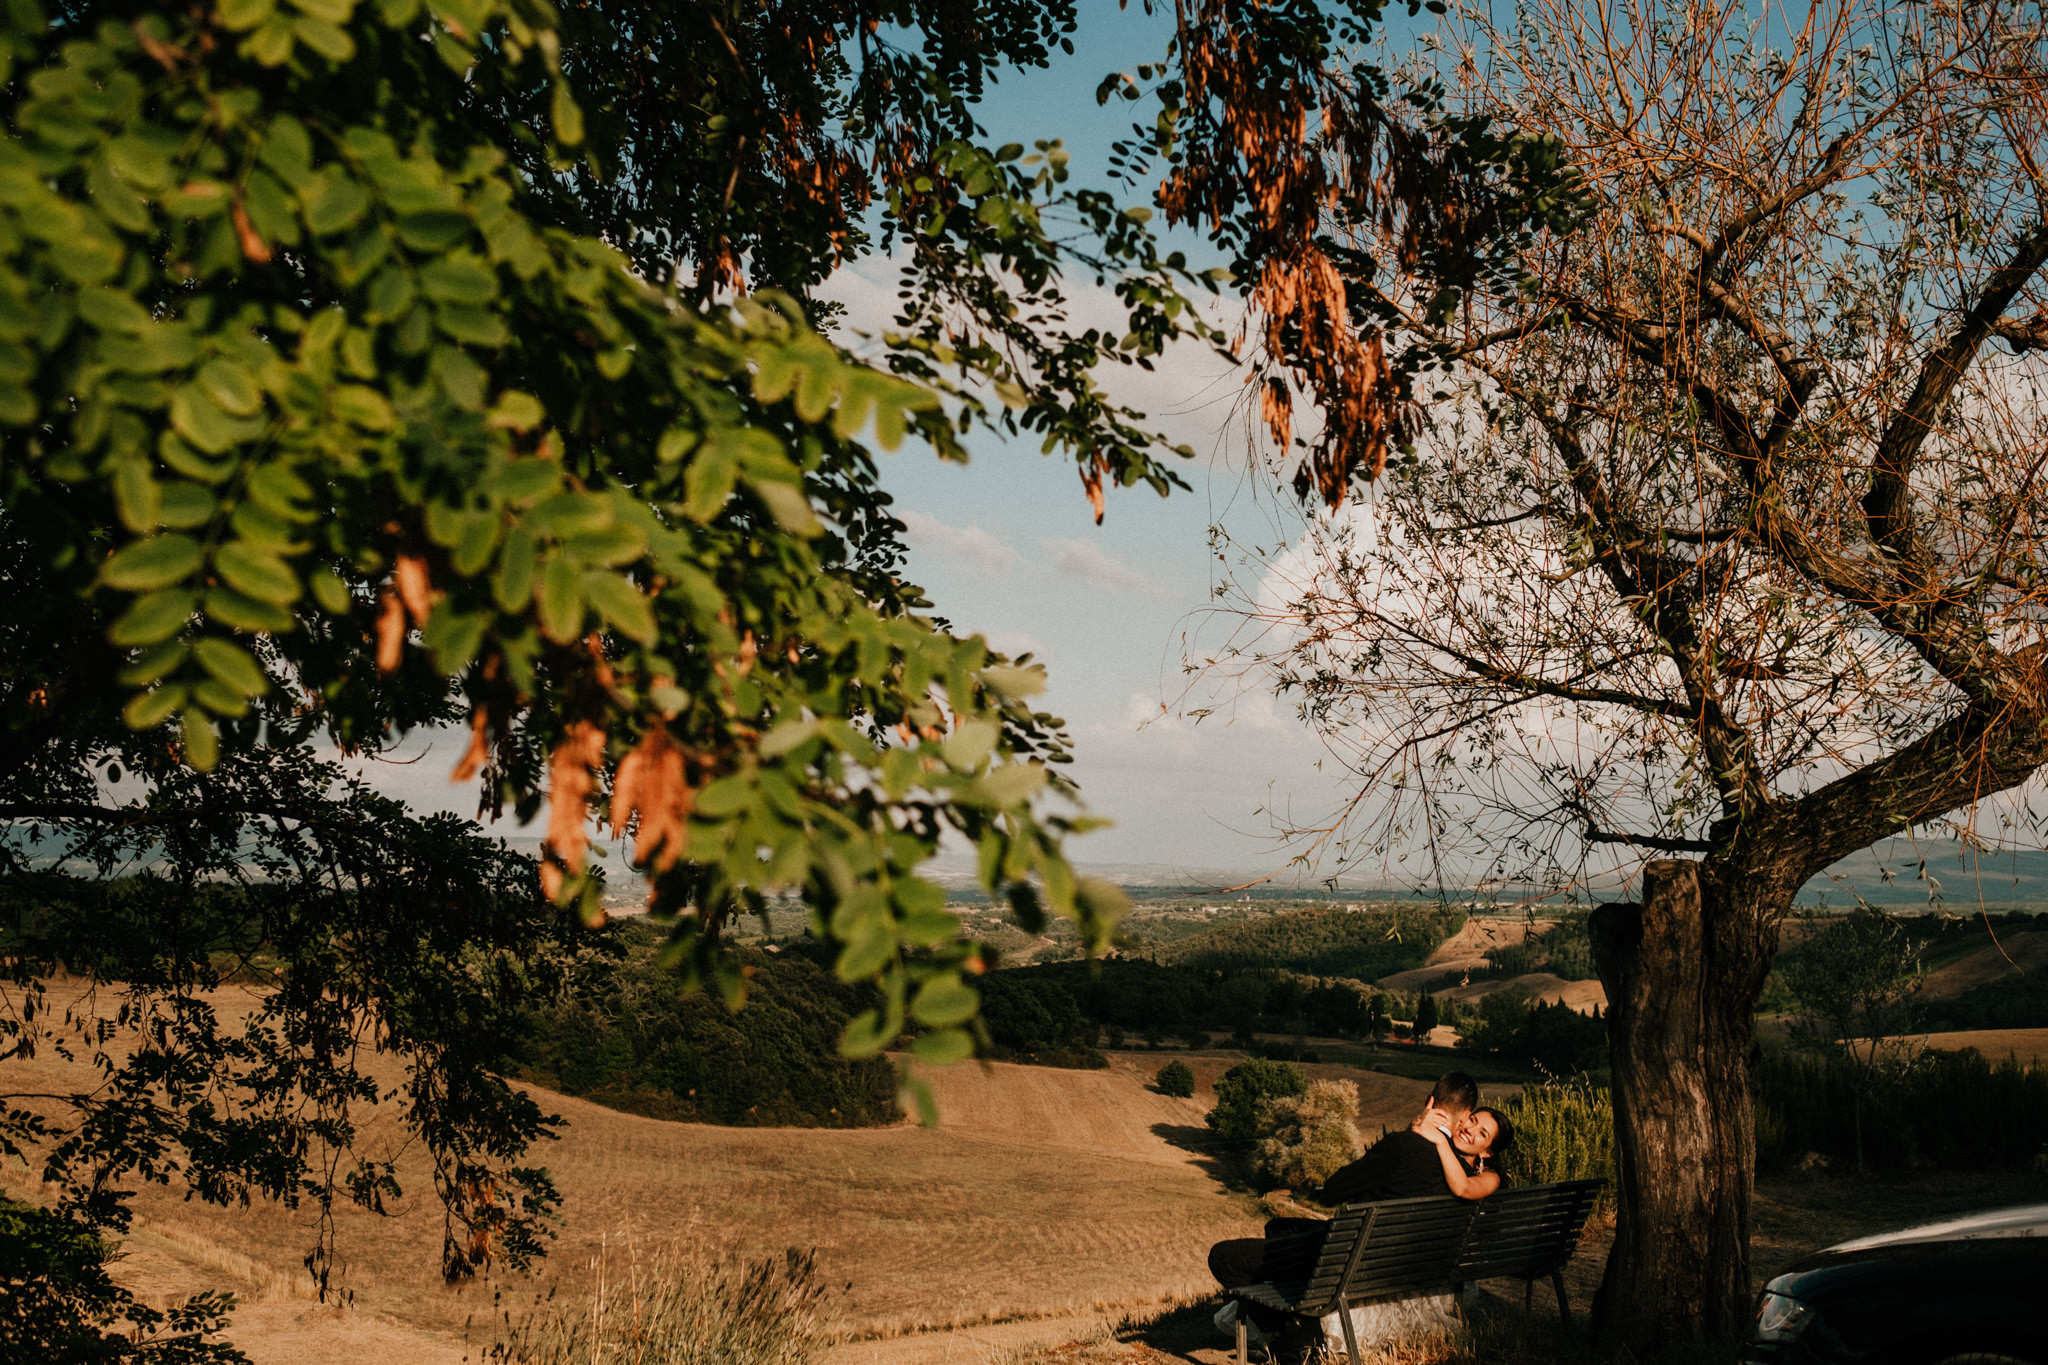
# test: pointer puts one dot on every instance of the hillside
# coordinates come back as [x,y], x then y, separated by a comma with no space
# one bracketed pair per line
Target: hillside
[1041,1192]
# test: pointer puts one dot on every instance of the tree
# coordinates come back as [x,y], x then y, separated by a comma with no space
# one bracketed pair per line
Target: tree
[328,411]
[1425,1016]
[1245,1095]
[1722,535]
[1855,982]
[365,368]
[1176,1079]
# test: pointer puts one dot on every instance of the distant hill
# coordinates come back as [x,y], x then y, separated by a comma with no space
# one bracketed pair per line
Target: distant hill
[1902,874]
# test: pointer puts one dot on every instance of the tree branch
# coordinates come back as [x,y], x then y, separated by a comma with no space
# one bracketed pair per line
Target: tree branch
[1660,842]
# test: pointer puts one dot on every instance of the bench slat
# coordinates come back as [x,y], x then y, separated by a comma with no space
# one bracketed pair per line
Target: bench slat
[1405,1248]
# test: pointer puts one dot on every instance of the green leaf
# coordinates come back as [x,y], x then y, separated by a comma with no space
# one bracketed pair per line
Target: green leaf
[513,587]
[243,15]
[333,203]
[865,1035]
[155,665]
[710,478]
[944,1048]
[453,637]
[944,1001]
[364,407]
[279,491]
[202,745]
[1007,680]
[724,797]
[561,600]
[1009,785]
[459,277]
[147,710]
[620,603]
[272,42]
[257,573]
[788,505]
[330,592]
[137,497]
[206,425]
[153,618]
[568,117]
[230,665]
[329,40]
[219,699]
[146,565]
[231,387]
[969,744]
[237,612]
[867,949]
[185,505]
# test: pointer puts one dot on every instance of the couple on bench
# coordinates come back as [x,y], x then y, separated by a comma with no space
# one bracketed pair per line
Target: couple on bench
[1453,1147]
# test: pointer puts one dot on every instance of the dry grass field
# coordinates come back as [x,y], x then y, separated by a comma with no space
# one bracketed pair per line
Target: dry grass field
[1042,1193]
[2010,956]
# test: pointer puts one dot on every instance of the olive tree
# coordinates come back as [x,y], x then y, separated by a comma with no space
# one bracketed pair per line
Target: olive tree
[1718,533]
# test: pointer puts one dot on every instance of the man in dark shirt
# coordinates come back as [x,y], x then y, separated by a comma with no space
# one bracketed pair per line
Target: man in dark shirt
[1402,1165]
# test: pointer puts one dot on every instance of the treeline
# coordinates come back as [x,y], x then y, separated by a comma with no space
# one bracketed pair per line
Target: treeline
[1953,1110]
[1064,1013]
[1331,941]
[627,1036]
[1564,950]
[1554,1037]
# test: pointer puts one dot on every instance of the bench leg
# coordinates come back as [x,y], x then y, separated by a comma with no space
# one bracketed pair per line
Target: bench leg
[1243,1350]
[1528,1295]
[1564,1313]
[1350,1329]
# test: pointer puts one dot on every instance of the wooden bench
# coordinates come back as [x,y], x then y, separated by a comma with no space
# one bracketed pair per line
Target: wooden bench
[1413,1248]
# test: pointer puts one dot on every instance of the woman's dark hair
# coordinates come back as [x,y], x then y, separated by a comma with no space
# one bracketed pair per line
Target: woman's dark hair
[1504,1136]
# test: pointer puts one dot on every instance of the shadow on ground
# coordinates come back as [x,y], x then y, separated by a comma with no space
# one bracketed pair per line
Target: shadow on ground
[1216,1156]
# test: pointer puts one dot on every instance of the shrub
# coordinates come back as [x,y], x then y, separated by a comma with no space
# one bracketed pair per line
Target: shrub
[680,1311]
[1309,1137]
[1177,1080]
[1564,1130]
[631,1037]
[1244,1093]
[1944,1109]
[57,1301]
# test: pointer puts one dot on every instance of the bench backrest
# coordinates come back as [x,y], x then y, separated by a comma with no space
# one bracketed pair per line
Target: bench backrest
[1399,1248]
[1527,1232]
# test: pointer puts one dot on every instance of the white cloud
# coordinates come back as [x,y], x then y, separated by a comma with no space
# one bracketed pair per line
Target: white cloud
[1089,562]
[969,549]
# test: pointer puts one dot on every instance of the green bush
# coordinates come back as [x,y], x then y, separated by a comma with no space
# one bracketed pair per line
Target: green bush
[1310,1137]
[629,1036]
[1245,1092]
[1555,1037]
[57,1302]
[1564,1130]
[679,1311]
[1953,1110]
[1031,1016]
[1176,1079]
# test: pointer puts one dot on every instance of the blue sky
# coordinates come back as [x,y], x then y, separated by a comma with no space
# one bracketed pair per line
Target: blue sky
[1007,547]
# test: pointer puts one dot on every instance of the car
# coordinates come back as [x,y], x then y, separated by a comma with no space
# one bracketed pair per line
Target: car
[1971,1291]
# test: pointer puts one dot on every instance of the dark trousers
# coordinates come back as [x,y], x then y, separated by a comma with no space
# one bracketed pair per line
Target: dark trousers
[1288,1251]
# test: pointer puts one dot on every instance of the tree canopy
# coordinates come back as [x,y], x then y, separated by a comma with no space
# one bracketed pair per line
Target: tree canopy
[373,366]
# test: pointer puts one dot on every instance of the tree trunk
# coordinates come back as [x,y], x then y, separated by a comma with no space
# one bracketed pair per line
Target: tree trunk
[1681,970]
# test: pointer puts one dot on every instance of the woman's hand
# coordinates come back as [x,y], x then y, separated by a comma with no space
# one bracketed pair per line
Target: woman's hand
[1430,1124]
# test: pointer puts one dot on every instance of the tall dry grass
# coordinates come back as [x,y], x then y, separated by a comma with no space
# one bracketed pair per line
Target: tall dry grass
[675,1308]
[1564,1130]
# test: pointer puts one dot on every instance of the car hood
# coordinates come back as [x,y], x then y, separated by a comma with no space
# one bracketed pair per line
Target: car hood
[2029,1220]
